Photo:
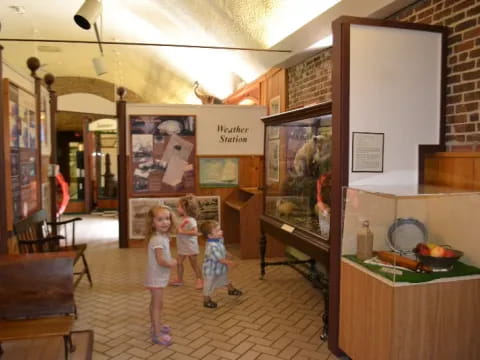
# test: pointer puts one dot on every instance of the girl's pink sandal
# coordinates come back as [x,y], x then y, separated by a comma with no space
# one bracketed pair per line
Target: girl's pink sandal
[163,339]
[165,329]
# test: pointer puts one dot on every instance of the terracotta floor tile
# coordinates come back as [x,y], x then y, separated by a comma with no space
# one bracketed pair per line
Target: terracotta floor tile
[274,319]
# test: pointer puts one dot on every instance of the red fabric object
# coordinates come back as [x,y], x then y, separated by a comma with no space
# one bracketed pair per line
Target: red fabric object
[62,205]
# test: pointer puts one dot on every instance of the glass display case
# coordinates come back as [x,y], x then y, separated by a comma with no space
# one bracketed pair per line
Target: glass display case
[298,162]
[390,307]
[298,169]
[404,219]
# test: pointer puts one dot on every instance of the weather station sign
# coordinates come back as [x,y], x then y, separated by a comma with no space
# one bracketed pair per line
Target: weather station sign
[231,130]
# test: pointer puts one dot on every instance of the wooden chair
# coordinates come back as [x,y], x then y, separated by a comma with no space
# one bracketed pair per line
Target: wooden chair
[37,297]
[34,235]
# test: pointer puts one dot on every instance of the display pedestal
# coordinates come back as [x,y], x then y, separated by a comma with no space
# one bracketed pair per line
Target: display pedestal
[243,208]
[380,319]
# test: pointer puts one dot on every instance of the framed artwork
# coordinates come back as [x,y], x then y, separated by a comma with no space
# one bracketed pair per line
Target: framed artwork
[24,149]
[367,152]
[162,154]
[209,210]
[218,172]
[274,106]
[273,161]
[273,132]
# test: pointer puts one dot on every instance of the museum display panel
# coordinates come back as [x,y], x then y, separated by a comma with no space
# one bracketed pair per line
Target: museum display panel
[423,274]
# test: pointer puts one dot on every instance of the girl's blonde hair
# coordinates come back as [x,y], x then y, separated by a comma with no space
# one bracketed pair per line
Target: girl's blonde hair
[190,204]
[149,220]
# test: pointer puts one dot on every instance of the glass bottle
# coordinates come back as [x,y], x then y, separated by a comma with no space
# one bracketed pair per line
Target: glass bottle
[365,242]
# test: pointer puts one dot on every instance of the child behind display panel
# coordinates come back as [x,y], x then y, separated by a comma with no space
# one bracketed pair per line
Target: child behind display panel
[187,239]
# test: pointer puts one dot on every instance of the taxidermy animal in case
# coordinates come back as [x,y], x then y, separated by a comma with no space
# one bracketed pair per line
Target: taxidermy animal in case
[314,154]
[285,208]
[205,98]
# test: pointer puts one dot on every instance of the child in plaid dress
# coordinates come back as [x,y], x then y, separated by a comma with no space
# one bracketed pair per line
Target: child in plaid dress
[215,264]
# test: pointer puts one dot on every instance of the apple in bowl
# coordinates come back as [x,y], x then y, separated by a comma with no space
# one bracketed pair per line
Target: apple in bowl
[437,256]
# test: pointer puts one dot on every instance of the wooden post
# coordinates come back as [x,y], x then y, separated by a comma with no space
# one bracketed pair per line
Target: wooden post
[34,64]
[3,138]
[122,169]
[49,79]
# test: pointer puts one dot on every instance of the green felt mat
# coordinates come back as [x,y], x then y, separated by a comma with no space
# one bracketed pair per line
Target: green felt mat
[459,269]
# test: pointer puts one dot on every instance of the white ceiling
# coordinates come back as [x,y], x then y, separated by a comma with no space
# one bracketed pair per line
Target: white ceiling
[166,74]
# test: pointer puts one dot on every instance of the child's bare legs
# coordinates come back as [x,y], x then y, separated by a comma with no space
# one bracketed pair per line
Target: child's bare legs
[180,270]
[196,270]
[156,306]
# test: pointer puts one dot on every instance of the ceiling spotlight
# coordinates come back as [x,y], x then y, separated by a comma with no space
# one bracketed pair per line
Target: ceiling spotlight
[88,14]
[99,65]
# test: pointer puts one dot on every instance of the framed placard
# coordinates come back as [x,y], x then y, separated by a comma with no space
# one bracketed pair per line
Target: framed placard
[367,152]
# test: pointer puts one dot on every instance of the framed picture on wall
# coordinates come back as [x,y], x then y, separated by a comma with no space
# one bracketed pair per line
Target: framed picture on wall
[367,152]
[24,151]
[218,172]
[273,132]
[162,154]
[274,106]
[272,157]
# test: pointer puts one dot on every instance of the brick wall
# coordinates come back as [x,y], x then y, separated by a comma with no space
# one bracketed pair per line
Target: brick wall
[74,84]
[463,81]
[309,82]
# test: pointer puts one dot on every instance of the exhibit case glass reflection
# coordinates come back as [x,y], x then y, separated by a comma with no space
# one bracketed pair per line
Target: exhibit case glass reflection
[403,219]
[298,171]
[297,187]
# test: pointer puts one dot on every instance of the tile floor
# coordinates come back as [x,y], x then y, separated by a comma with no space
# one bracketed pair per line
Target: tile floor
[276,318]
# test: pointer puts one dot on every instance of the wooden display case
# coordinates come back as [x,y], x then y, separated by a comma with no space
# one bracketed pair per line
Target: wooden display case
[242,210]
[381,320]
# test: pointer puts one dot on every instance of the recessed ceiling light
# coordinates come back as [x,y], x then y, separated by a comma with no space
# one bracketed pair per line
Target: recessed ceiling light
[20,10]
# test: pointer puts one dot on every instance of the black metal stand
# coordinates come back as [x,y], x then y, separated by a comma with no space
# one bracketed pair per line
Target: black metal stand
[318,279]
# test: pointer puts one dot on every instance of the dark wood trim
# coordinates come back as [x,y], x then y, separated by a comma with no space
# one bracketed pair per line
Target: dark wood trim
[3,180]
[49,80]
[353,20]
[87,171]
[122,167]
[297,114]
[38,96]
[341,139]
[302,240]
[340,156]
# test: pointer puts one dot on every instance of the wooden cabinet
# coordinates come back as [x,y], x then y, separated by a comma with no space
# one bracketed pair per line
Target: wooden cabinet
[382,320]
[243,208]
